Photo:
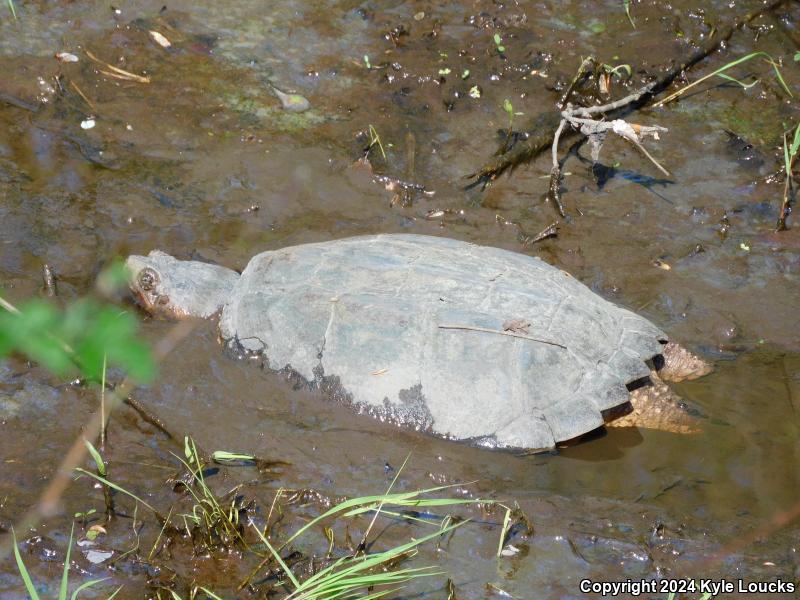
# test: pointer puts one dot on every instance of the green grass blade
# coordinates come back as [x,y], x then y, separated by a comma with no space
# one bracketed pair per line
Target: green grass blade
[369,561]
[12,9]
[504,531]
[114,486]
[210,594]
[23,571]
[779,76]
[787,163]
[89,584]
[64,590]
[744,85]
[724,68]
[795,147]
[111,597]
[393,499]
[278,558]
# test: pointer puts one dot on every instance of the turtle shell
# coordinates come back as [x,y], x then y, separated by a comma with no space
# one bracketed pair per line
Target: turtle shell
[465,341]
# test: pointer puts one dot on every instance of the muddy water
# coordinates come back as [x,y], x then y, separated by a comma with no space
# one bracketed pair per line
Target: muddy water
[203,162]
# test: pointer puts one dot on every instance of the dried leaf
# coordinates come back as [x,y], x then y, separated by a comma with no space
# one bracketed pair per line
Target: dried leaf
[66,57]
[159,39]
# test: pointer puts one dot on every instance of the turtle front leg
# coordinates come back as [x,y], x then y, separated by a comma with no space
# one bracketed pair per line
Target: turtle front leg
[679,364]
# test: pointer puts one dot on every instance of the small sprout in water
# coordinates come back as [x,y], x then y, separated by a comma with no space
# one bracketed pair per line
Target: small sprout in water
[509,108]
[475,91]
[366,61]
[597,27]
[374,138]
[616,70]
[627,5]
[465,74]
[498,41]
[797,56]
[445,71]
[744,247]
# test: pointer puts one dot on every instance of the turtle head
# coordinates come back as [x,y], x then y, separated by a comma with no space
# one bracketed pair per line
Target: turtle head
[169,287]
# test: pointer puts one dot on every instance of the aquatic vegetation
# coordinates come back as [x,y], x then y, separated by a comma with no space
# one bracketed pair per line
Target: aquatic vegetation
[626,4]
[498,42]
[223,522]
[721,73]
[33,594]
[790,154]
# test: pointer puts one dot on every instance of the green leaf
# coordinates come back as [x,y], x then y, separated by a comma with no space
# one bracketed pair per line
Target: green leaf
[30,332]
[79,339]
[222,456]
[98,460]
[797,56]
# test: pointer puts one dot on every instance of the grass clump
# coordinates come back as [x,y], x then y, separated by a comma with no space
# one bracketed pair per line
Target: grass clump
[279,564]
[63,590]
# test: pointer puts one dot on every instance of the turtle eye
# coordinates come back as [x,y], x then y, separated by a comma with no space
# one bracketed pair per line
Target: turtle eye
[148,279]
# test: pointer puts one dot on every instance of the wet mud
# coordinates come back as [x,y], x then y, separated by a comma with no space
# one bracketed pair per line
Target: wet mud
[202,161]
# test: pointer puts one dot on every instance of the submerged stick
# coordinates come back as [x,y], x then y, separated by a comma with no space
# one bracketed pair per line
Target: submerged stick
[542,129]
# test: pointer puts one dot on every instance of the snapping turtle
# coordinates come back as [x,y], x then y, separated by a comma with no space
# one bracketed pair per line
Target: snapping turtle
[464,341]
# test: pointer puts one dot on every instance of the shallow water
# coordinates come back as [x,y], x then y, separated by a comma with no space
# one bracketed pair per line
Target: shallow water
[202,162]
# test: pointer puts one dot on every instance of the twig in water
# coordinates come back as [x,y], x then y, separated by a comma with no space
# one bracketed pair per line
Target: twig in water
[152,418]
[116,72]
[499,332]
[548,232]
[562,102]
[541,130]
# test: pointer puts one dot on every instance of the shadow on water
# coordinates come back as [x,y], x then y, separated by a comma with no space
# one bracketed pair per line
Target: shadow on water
[203,161]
